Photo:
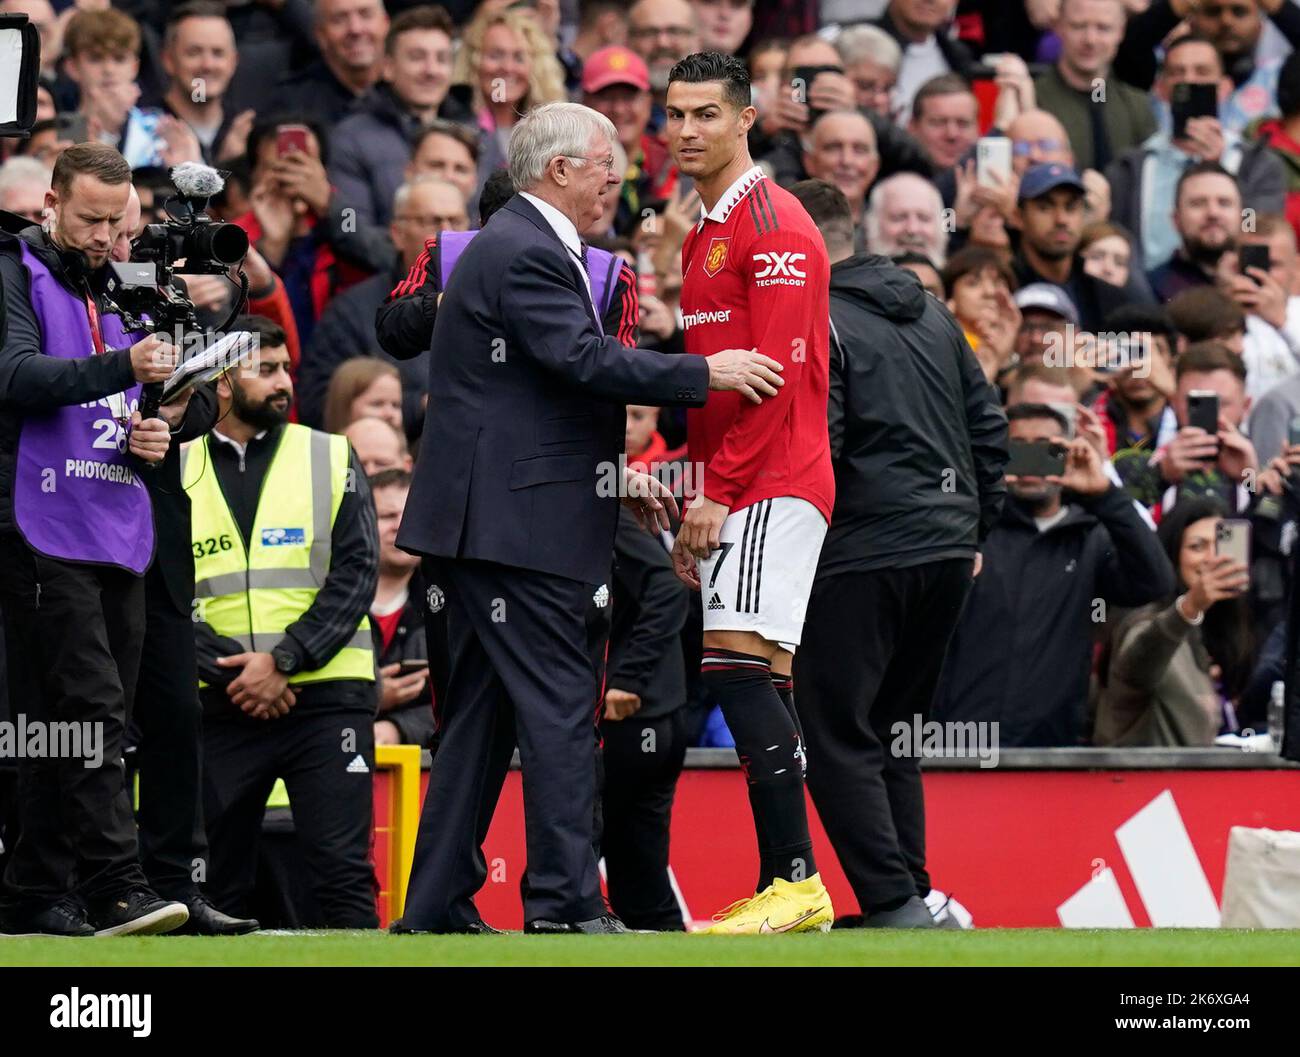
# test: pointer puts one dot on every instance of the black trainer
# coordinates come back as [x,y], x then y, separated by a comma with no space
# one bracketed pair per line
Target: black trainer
[605,925]
[138,912]
[207,920]
[65,918]
[913,914]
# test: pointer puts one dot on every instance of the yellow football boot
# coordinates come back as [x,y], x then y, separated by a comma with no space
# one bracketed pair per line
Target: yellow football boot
[784,906]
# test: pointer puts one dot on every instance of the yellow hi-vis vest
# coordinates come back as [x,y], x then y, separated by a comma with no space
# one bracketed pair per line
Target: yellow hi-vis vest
[252,597]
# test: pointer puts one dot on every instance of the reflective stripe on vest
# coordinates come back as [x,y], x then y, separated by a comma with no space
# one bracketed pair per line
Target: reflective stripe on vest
[252,594]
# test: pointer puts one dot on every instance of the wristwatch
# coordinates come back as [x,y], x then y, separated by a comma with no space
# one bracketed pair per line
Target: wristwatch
[286,661]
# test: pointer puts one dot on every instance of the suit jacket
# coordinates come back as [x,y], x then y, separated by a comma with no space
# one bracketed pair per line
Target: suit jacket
[526,412]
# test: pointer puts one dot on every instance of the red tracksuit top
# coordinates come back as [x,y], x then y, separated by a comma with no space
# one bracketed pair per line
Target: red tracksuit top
[755,275]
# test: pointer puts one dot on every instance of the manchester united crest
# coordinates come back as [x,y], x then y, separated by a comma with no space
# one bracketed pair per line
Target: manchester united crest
[716,257]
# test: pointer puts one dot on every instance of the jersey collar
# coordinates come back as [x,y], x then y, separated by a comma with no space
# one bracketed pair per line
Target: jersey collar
[731,197]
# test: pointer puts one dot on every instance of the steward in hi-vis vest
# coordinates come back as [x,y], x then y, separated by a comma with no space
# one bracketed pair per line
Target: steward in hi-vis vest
[286,558]
[251,590]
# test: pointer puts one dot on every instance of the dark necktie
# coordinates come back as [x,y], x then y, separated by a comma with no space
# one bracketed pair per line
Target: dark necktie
[591,293]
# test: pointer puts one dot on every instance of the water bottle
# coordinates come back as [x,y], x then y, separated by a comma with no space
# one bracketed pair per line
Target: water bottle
[1277,714]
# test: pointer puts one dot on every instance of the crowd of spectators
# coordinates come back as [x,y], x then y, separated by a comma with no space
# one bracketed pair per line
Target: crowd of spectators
[1129,256]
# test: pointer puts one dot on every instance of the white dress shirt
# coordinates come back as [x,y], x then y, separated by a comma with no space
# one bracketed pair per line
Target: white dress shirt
[564,227]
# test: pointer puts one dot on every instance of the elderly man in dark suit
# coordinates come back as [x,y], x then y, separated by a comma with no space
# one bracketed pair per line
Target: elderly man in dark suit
[514,505]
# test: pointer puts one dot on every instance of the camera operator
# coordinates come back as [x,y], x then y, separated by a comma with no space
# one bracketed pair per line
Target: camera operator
[76,536]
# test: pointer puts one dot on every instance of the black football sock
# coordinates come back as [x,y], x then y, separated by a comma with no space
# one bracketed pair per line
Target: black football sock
[770,752]
[784,686]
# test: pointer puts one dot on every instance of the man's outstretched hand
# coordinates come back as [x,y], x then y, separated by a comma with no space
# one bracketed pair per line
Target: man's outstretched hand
[649,499]
[747,371]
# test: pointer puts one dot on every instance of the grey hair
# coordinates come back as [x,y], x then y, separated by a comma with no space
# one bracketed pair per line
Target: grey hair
[18,171]
[867,42]
[403,194]
[550,131]
[876,203]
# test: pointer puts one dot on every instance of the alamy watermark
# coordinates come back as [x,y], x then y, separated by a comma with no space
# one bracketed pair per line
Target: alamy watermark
[26,739]
[1108,351]
[680,478]
[930,739]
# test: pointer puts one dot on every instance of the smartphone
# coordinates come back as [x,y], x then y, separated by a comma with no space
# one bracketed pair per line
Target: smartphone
[72,127]
[1253,255]
[414,664]
[1232,537]
[802,79]
[1192,100]
[1035,458]
[1203,410]
[290,138]
[993,161]
[1293,431]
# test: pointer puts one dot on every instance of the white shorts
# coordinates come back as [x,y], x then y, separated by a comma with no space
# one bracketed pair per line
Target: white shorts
[760,578]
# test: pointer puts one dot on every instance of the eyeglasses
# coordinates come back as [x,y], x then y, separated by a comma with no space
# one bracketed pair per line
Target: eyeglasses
[1022,148]
[608,163]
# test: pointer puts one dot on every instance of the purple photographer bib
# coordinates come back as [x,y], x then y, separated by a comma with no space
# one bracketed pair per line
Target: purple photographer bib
[77,493]
[602,266]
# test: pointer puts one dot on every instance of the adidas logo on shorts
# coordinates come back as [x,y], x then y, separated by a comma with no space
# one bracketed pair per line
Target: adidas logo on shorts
[358,765]
[715,603]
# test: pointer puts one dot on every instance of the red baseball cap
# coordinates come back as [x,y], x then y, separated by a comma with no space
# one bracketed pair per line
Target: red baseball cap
[614,65]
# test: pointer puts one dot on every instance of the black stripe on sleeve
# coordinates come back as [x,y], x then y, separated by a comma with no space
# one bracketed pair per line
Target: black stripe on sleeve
[771,210]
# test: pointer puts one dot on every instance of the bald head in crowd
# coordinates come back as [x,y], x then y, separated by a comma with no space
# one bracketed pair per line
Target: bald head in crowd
[378,445]
[1038,138]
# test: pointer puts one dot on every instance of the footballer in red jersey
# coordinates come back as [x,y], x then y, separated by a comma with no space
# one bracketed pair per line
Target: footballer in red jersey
[754,275]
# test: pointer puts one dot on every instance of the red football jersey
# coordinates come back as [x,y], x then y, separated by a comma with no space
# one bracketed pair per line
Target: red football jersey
[755,275]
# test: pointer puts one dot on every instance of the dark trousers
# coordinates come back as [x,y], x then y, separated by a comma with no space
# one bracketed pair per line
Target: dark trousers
[873,645]
[73,635]
[643,760]
[315,751]
[520,671]
[173,848]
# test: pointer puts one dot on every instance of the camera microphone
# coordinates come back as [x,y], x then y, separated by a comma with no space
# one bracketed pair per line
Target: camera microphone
[196,180]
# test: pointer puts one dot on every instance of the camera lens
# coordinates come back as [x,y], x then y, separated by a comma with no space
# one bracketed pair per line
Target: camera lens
[227,243]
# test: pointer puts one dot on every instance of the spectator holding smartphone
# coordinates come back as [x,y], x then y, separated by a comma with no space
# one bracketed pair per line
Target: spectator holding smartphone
[1260,275]
[398,616]
[1143,178]
[1021,655]
[1181,664]
[1196,462]
[1135,409]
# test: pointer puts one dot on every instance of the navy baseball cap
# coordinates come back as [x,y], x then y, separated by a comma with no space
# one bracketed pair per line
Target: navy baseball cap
[1040,179]
[1048,297]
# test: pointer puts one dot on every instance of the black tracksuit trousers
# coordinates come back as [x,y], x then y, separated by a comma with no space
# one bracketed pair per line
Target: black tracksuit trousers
[873,646]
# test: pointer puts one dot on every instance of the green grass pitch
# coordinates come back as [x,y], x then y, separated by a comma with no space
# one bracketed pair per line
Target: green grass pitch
[1032,947]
